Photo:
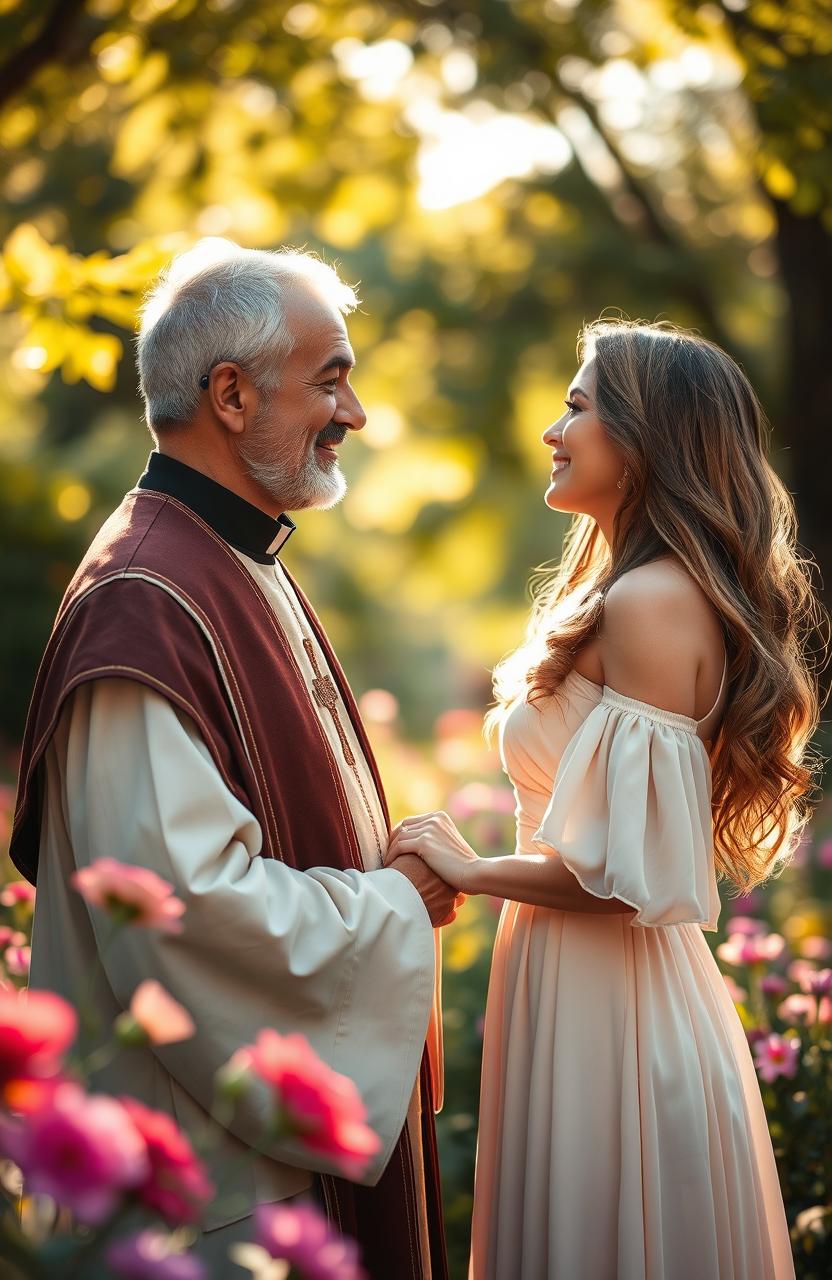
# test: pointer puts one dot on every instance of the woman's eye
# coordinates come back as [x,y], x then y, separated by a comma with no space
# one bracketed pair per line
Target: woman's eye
[572,407]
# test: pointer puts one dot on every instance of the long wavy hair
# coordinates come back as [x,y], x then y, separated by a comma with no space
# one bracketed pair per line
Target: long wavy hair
[693,437]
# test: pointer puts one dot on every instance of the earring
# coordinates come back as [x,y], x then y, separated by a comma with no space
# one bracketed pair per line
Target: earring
[626,475]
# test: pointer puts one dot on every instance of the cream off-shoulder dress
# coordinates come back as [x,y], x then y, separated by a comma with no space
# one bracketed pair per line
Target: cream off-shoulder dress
[622,1133]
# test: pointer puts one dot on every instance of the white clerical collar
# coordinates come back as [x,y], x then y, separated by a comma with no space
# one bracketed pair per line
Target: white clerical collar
[241,524]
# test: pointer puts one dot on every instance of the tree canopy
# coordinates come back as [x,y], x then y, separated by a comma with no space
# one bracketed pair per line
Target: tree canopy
[493,174]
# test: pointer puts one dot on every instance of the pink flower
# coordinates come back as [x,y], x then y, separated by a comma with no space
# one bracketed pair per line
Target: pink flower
[798,1008]
[816,982]
[379,706]
[301,1235]
[777,1056]
[36,1029]
[150,1255]
[458,723]
[742,949]
[750,926]
[175,1183]
[322,1107]
[738,994]
[816,947]
[773,985]
[81,1150]
[17,960]
[824,854]
[478,797]
[158,1015]
[17,891]
[134,894]
[10,937]
[798,970]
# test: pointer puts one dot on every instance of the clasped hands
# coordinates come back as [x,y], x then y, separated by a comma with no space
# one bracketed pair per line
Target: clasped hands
[430,851]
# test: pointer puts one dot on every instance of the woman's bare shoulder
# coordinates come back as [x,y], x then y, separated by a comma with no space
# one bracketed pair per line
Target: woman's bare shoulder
[657,632]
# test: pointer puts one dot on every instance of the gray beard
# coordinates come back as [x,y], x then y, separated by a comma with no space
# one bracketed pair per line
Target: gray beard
[307,486]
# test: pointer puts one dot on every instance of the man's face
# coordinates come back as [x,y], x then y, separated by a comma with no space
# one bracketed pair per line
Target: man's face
[291,447]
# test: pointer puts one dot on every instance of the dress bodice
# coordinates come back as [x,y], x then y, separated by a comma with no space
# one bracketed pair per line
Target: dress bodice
[533,737]
[620,790]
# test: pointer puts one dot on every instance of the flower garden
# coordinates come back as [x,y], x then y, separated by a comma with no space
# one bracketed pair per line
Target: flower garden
[94,1185]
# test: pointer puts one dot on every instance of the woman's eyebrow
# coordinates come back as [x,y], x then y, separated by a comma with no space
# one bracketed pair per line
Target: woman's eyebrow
[577,391]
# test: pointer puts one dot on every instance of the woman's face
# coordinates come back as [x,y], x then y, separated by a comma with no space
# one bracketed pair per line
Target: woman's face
[586,466]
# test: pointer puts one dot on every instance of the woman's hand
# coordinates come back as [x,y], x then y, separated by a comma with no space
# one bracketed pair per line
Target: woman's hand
[436,840]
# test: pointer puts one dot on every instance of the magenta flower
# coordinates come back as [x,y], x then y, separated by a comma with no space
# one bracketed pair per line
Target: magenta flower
[773,985]
[175,1183]
[17,891]
[36,1029]
[301,1235]
[324,1109]
[746,904]
[741,949]
[149,1255]
[80,1149]
[133,894]
[155,1016]
[776,1056]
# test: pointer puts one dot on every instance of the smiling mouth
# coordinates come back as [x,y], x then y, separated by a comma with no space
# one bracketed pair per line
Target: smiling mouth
[560,464]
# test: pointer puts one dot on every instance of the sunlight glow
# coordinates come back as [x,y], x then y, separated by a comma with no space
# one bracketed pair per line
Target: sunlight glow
[465,154]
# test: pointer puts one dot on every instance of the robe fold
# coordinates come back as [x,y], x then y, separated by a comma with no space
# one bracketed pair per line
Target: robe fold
[190,716]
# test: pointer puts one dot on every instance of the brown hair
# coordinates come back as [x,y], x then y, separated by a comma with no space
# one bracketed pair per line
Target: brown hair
[693,437]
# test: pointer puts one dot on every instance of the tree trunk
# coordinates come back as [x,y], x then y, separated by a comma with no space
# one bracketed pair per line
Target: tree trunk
[805,249]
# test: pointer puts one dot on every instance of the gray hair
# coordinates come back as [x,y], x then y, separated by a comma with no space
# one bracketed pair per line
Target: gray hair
[221,302]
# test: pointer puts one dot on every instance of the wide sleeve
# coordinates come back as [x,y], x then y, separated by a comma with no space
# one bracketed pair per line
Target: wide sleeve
[343,956]
[630,813]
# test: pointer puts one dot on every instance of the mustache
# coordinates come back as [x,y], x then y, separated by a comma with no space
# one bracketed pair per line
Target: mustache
[333,434]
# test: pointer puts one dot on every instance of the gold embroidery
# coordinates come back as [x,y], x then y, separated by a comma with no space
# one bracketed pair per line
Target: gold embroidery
[326,694]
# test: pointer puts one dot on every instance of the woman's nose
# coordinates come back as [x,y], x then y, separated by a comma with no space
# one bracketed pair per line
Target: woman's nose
[552,435]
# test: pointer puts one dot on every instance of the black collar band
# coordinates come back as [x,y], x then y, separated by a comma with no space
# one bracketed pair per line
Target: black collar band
[241,524]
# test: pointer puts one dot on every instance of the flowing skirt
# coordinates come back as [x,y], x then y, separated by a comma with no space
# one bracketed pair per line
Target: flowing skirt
[622,1133]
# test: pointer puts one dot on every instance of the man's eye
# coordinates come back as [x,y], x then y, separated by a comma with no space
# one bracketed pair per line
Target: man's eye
[331,384]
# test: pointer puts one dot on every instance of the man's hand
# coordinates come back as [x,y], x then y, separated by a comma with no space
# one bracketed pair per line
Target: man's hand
[439,898]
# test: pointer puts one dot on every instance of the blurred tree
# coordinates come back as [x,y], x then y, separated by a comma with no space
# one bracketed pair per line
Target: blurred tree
[494,174]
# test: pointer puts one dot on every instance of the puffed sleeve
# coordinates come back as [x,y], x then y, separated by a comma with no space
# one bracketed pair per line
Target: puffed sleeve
[630,813]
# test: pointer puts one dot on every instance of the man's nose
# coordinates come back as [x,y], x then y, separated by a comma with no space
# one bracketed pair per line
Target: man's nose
[352,413]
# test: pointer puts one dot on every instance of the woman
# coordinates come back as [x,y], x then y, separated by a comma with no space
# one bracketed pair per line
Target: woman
[655,726]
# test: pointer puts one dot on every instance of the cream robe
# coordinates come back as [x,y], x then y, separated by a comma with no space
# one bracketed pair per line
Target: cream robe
[347,958]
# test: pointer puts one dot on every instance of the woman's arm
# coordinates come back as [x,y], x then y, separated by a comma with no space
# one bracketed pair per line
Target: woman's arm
[539,879]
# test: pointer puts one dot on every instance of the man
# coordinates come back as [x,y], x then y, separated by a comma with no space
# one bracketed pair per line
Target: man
[191,717]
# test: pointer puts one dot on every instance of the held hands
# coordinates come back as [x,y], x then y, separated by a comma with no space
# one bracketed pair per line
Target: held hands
[435,839]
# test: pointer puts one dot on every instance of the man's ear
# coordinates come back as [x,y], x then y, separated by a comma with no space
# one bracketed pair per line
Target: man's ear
[230,394]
